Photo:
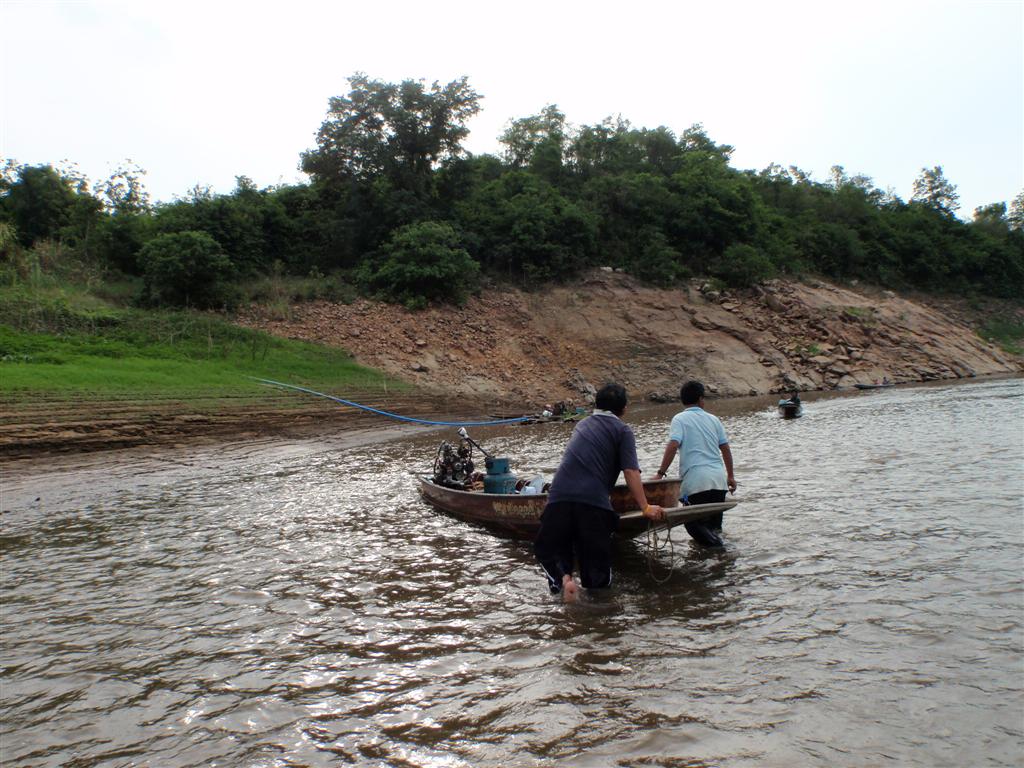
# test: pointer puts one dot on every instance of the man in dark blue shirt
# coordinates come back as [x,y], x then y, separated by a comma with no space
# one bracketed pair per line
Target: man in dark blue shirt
[578,520]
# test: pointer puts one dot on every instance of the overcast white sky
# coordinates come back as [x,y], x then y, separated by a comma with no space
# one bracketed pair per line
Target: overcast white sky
[202,92]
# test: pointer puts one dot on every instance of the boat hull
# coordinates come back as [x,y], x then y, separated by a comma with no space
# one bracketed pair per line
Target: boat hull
[518,516]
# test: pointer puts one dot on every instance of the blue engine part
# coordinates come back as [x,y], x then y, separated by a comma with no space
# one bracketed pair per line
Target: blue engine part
[498,479]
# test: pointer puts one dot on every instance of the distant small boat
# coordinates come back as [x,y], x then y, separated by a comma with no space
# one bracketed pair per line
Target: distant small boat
[518,515]
[874,386]
[790,409]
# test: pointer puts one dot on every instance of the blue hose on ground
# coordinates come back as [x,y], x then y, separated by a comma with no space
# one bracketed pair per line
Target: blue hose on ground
[516,420]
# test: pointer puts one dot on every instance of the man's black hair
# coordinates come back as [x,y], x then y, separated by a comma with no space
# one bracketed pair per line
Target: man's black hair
[691,392]
[612,397]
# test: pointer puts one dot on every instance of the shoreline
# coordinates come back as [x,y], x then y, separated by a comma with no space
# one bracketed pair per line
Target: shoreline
[513,352]
[301,430]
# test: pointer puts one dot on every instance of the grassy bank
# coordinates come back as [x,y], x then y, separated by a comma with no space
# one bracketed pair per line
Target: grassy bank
[60,340]
[1007,332]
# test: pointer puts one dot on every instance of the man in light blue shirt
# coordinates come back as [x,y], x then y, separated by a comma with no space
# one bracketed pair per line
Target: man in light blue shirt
[705,461]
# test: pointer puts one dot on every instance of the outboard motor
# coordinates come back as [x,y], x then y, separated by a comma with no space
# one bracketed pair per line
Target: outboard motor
[453,466]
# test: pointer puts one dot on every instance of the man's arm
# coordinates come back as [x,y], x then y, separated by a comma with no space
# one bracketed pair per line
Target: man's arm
[727,458]
[636,487]
[666,459]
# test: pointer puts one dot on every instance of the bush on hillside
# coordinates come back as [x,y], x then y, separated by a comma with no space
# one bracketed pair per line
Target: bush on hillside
[658,263]
[742,266]
[185,269]
[422,262]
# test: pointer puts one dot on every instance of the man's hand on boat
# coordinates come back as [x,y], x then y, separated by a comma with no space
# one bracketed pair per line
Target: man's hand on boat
[654,512]
[636,487]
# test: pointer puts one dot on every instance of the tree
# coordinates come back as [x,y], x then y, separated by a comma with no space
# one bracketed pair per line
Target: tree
[124,192]
[656,261]
[250,225]
[421,262]
[991,218]
[1015,218]
[716,208]
[839,181]
[608,148]
[698,146]
[633,212]
[185,269]
[615,147]
[44,204]
[524,136]
[832,249]
[742,265]
[398,131]
[524,227]
[933,190]
[39,203]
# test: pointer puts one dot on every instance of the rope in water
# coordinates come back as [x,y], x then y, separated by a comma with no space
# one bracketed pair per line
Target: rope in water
[655,548]
[399,417]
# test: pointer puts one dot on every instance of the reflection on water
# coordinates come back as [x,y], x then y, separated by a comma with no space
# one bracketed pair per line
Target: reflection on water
[254,606]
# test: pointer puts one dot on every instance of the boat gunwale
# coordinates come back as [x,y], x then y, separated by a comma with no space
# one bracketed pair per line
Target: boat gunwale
[427,480]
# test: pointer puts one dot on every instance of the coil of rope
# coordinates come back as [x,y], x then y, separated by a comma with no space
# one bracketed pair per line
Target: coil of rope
[655,547]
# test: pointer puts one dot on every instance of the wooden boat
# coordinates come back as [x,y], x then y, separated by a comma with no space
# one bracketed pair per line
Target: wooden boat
[874,386]
[790,410]
[518,515]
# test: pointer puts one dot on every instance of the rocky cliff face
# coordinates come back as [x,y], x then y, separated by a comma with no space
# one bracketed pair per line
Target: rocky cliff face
[559,343]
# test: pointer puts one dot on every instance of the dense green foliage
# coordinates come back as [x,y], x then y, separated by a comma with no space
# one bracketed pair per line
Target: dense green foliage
[395,202]
[183,269]
[421,262]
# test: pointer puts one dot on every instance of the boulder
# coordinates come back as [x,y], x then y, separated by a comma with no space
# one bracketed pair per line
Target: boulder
[661,397]
[703,322]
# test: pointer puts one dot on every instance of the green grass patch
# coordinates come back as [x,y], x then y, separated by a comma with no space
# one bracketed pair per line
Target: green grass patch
[76,345]
[1006,332]
[808,350]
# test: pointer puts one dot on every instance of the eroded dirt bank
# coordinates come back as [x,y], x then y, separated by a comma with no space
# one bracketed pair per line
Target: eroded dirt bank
[558,344]
[509,351]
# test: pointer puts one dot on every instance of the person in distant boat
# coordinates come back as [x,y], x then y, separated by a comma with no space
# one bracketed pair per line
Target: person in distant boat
[795,399]
[705,461]
[885,381]
[578,520]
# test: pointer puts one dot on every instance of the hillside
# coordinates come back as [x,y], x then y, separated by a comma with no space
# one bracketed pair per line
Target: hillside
[532,348]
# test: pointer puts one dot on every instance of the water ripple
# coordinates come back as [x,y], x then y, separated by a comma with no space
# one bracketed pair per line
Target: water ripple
[303,608]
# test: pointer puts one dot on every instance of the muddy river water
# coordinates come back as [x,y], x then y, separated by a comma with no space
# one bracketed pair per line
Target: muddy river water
[295,604]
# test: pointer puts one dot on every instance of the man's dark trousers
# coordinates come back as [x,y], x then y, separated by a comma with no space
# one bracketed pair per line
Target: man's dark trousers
[570,529]
[706,532]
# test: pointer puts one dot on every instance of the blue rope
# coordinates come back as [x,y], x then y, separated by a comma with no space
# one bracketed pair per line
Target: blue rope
[393,415]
